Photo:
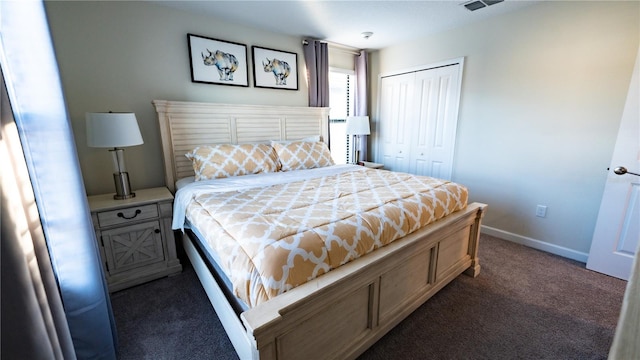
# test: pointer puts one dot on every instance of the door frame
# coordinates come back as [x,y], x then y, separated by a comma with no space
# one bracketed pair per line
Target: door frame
[459,60]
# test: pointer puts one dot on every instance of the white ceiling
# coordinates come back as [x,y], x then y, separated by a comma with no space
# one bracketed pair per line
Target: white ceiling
[342,22]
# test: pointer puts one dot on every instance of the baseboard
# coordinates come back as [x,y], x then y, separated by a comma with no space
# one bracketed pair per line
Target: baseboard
[536,244]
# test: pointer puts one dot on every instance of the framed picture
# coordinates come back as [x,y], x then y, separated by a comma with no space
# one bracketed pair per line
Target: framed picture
[275,69]
[216,61]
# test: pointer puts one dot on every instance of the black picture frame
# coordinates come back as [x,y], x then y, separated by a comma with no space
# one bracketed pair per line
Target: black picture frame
[284,75]
[215,61]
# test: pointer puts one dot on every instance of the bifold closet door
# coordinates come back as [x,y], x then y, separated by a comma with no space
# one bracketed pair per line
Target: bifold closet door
[396,119]
[418,119]
[436,94]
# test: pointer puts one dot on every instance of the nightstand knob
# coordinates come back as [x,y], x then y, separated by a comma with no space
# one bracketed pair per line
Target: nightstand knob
[138,211]
[157,231]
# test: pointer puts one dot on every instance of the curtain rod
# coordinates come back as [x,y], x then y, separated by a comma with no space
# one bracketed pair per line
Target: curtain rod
[339,47]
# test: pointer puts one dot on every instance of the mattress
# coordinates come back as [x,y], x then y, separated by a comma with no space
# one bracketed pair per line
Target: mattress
[273,232]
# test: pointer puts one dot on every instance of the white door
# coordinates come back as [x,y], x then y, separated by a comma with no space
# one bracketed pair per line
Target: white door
[418,118]
[617,232]
[394,141]
[436,97]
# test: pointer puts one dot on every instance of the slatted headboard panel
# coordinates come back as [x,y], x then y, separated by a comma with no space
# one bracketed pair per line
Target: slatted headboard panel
[185,125]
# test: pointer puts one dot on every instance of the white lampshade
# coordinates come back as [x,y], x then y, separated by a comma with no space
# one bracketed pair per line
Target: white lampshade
[358,125]
[112,130]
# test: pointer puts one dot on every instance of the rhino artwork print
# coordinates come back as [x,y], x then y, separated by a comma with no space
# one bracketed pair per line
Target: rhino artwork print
[275,68]
[279,68]
[226,63]
[216,61]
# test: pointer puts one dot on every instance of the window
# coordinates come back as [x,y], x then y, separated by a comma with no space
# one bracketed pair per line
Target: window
[341,89]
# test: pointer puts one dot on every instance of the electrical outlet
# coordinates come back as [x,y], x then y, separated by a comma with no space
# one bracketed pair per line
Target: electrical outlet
[541,211]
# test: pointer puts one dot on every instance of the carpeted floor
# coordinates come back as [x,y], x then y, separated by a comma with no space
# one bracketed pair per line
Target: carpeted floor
[526,304]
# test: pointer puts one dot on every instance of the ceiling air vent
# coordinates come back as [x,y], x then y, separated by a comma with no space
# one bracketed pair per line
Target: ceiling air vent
[479,4]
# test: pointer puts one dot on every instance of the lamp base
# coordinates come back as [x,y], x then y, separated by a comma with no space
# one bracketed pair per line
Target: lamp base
[123,188]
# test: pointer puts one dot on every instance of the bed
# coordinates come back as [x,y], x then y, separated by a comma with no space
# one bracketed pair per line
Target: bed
[337,313]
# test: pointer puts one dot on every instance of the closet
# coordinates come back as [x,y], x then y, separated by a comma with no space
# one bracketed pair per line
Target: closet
[418,115]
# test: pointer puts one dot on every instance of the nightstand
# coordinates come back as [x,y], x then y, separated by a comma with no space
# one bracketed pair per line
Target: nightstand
[372,165]
[135,237]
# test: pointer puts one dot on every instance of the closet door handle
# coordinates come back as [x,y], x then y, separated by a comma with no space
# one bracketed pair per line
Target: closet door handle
[621,170]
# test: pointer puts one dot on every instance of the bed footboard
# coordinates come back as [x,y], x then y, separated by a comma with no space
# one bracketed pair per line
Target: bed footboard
[342,313]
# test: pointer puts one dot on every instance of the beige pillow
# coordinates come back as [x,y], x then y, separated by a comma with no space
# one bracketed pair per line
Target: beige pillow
[300,155]
[220,161]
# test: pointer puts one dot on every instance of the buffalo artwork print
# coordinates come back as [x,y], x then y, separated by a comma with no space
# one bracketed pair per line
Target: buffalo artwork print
[216,61]
[275,69]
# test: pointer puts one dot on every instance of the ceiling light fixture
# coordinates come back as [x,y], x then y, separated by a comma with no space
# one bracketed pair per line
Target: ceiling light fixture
[479,4]
[366,34]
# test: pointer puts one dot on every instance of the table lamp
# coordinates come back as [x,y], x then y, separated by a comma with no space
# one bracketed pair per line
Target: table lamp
[115,130]
[357,126]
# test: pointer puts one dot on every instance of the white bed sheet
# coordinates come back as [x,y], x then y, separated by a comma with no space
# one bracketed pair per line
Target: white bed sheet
[188,188]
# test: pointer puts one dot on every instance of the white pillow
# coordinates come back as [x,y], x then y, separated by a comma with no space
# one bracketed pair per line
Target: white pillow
[314,138]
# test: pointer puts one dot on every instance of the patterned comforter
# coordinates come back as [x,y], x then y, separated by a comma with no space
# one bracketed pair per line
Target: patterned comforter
[270,239]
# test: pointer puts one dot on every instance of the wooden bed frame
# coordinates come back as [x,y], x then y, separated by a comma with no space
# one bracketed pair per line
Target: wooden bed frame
[343,312]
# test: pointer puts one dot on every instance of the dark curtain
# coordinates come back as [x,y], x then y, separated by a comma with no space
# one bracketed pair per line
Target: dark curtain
[66,247]
[361,68]
[316,56]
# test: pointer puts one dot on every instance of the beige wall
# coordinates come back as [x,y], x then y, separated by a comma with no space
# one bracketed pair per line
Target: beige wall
[542,98]
[543,92]
[121,55]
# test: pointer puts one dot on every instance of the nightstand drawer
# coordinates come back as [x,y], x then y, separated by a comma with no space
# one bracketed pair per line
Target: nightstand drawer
[372,165]
[126,215]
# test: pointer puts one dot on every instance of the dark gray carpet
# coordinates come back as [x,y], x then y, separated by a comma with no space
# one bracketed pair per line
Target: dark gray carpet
[526,304]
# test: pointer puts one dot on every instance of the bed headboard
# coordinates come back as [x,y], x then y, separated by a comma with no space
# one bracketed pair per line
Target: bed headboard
[185,125]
